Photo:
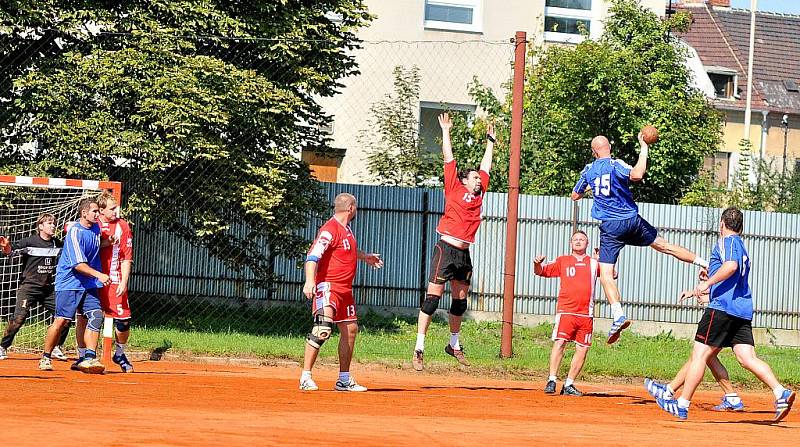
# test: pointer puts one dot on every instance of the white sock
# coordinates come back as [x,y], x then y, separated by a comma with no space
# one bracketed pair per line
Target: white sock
[120,348]
[683,403]
[454,340]
[552,379]
[420,346]
[616,311]
[81,352]
[305,375]
[700,261]
[568,382]
[778,391]
[733,398]
[344,376]
[670,392]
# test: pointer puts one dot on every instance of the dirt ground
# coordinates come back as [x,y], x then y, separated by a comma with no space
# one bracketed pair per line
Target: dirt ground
[191,404]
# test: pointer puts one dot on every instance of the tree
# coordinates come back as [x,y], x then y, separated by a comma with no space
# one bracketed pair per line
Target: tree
[201,108]
[397,157]
[632,76]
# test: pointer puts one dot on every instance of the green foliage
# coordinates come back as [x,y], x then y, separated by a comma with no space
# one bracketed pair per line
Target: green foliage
[203,130]
[396,157]
[632,76]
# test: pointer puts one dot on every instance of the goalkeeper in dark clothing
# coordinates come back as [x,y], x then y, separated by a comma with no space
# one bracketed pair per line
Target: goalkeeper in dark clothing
[39,254]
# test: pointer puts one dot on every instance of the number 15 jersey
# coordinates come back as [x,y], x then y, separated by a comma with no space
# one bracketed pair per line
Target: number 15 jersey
[609,179]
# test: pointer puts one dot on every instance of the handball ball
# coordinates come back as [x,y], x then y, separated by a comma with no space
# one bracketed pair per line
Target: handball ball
[649,134]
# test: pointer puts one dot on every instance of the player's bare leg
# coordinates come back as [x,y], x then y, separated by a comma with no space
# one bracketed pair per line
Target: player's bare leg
[427,309]
[50,340]
[80,341]
[556,355]
[347,342]
[320,332]
[575,367]
[676,251]
[122,333]
[701,353]
[620,321]
[460,291]
[784,398]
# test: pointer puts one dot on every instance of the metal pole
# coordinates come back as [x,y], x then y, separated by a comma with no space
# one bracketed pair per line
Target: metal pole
[753,6]
[509,272]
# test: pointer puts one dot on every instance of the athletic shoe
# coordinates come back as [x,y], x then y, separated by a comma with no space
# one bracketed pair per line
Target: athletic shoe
[570,391]
[349,386]
[58,354]
[308,385]
[784,404]
[75,366]
[726,405]
[3,353]
[550,388]
[619,325]
[457,353]
[418,361]
[45,364]
[91,366]
[123,363]
[671,407]
[656,389]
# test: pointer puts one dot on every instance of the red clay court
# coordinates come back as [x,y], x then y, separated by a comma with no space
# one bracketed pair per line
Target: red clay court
[170,403]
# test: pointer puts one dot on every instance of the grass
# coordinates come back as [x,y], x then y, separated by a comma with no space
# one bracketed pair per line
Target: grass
[389,340]
[279,332]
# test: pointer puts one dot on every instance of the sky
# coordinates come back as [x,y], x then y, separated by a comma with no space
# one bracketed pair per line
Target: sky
[784,6]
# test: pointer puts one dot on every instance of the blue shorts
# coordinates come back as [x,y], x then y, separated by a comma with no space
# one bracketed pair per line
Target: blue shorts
[70,301]
[615,234]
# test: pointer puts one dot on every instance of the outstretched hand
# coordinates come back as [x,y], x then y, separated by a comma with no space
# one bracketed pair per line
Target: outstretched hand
[539,259]
[374,260]
[490,131]
[444,122]
[642,143]
[5,247]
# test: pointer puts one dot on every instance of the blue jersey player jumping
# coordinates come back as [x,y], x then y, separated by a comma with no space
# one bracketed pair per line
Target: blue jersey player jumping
[609,179]
[726,321]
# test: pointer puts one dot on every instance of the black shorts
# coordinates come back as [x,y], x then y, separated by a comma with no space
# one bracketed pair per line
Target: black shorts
[720,330]
[28,297]
[450,263]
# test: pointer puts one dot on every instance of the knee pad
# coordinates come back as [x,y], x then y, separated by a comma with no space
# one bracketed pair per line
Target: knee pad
[430,304]
[320,331]
[458,307]
[94,319]
[122,325]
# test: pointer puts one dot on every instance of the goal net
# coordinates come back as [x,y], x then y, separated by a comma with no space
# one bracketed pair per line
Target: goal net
[22,201]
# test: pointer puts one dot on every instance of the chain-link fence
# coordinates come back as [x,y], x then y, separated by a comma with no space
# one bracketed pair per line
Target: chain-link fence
[212,139]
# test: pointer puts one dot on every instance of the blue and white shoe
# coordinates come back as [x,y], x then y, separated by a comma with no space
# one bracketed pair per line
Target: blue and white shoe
[671,407]
[656,389]
[616,329]
[784,404]
[123,362]
[726,405]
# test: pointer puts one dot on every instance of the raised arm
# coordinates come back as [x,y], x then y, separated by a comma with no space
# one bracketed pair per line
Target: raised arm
[486,162]
[447,147]
[637,173]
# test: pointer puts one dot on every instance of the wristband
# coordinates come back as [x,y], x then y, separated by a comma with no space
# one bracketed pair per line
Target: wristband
[490,138]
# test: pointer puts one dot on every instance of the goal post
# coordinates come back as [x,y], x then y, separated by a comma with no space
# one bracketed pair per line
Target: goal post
[22,200]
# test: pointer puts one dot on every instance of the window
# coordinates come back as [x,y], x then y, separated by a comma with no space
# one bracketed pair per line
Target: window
[564,20]
[565,25]
[455,15]
[430,134]
[570,4]
[724,80]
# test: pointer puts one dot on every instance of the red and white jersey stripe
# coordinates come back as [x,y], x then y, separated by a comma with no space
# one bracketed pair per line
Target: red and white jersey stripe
[112,256]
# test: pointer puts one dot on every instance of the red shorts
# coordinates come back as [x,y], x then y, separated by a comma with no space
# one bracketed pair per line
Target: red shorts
[575,328]
[344,307]
[113,305]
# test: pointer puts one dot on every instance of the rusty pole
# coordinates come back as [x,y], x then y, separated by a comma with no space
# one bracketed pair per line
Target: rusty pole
[509,272]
